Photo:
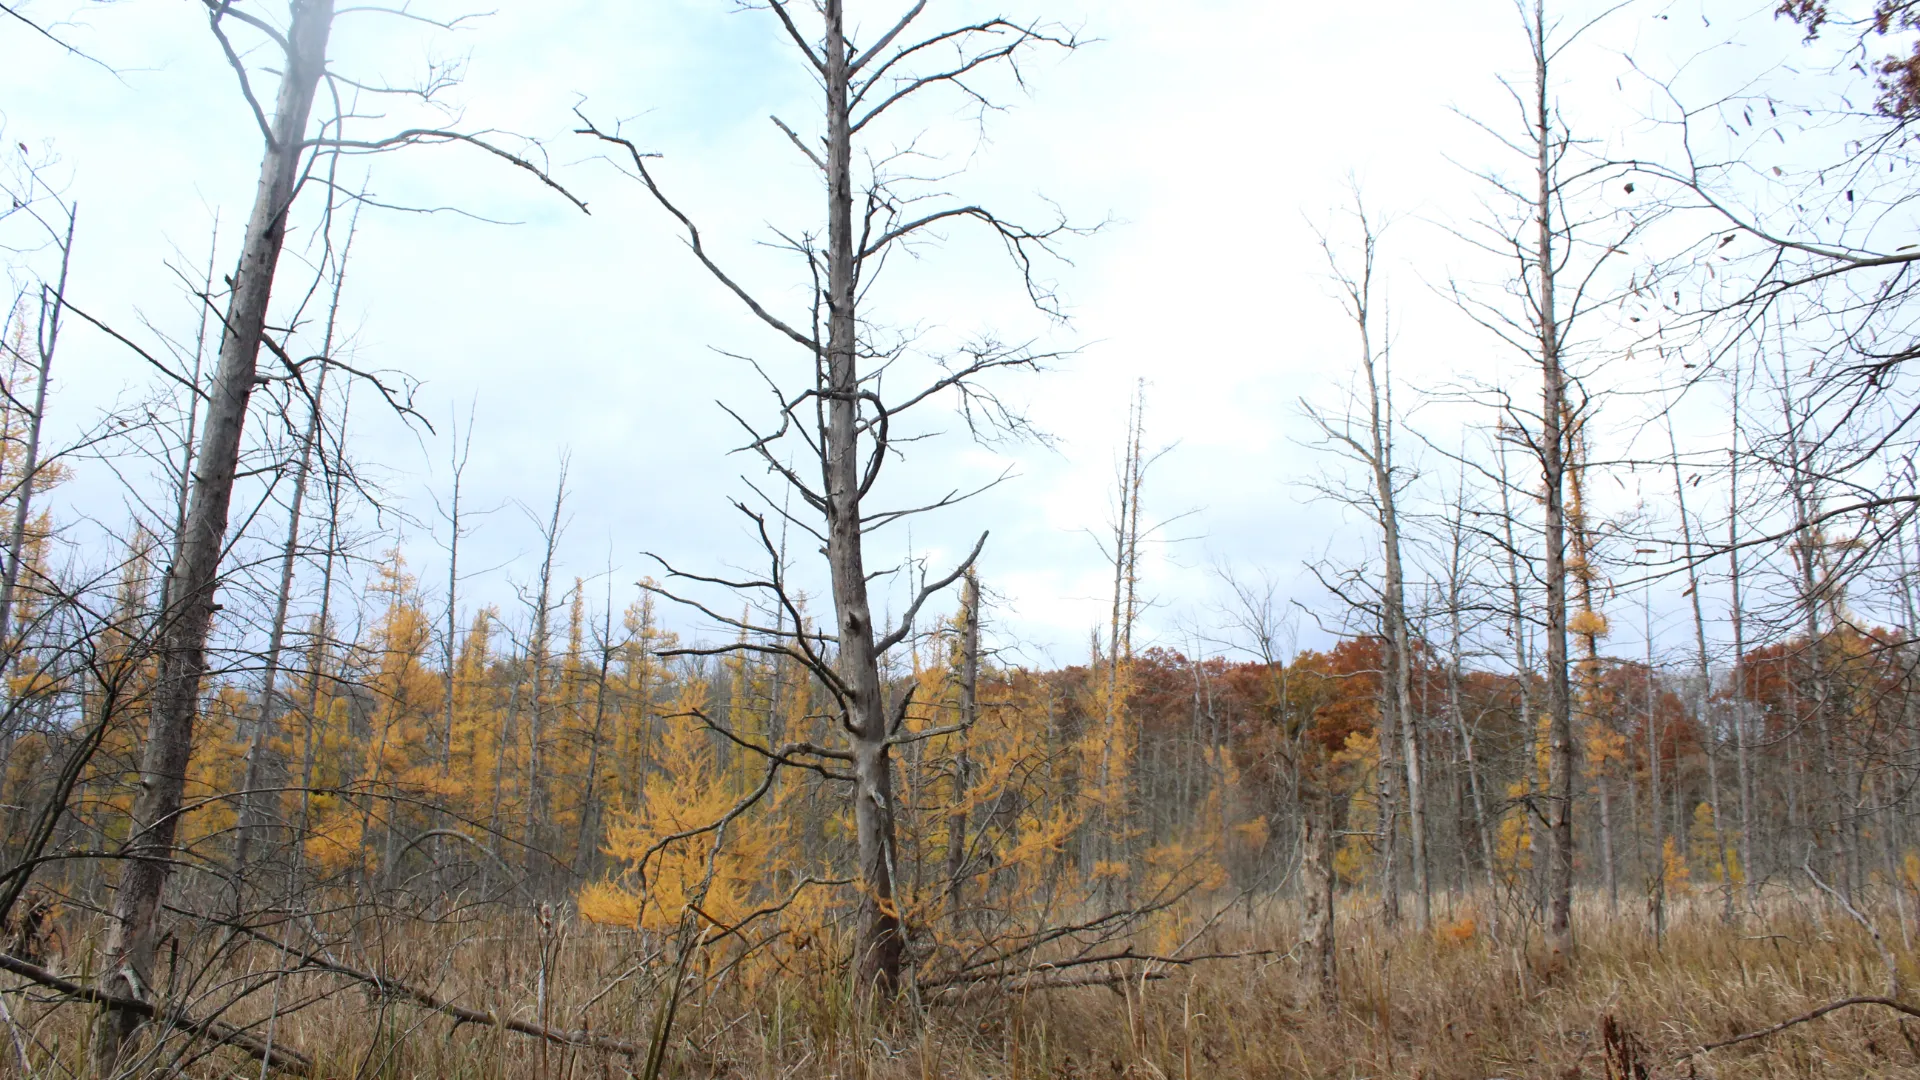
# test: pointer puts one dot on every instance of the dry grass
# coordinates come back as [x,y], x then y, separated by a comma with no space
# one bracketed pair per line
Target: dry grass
[1449,1004]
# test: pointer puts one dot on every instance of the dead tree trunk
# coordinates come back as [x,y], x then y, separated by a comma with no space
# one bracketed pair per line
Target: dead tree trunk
[52,307]
[1400,749]
[254,812]
[450,655]
[882,943]
[133,930]
[262,773]
[1551,449]
[842,416]
[1399,641]
[1703,701]
[1316,872]
[958,814]
[1742,765]
[584,847]
[537,659]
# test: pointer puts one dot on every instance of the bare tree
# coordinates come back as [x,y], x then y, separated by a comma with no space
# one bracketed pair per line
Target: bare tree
[290,150]
[52,305]
[1368,438]
[261,773]
[1548,233]
[134,929]
[843,422]
[584,849]
[542,604]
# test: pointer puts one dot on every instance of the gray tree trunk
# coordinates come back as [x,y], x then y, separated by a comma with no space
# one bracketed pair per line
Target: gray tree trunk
[1316,873]
[1743,765]
[49,340]
[1399,642]
[957,815]
[1703,702]
[1551,450]
[263,770]
[537,657]
[585,846]
[133,929]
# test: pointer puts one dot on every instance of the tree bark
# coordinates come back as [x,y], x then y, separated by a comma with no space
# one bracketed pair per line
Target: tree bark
[1316,873]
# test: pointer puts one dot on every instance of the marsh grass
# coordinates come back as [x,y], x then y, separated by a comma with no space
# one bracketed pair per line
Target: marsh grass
[1450,1003]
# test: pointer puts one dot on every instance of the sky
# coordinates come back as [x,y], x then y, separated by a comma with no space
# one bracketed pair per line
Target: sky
[1209,139]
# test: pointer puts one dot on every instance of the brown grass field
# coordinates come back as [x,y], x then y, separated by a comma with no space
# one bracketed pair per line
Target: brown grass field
[1447,1005]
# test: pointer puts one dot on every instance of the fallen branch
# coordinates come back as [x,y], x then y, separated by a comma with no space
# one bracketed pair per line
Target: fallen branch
[1049,975]
[278,1057]
[426,999]
[1048,980]
[1831,1006]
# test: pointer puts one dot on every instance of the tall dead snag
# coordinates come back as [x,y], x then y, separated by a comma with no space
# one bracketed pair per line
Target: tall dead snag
[264,772]
[1547,230]
[1116,777]
[1368,437]
[841,422]
[969,680]
[1589,625]
[299,49]
[47,340]
[540,667]
[1736,620]
[1703,691]
[1551,448]
[133,931]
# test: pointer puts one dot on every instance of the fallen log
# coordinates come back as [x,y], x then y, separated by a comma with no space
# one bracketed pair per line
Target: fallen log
[286,1060]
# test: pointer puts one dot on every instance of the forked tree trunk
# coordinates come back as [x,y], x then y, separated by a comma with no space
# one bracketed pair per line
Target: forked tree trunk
[127,963]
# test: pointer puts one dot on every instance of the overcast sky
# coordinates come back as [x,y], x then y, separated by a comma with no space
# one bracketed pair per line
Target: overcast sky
[1209,135]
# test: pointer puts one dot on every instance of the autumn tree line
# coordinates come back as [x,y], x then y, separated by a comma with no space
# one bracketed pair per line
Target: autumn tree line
[243,738]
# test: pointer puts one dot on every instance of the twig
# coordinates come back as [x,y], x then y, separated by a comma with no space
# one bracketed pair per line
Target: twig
[1886,954]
